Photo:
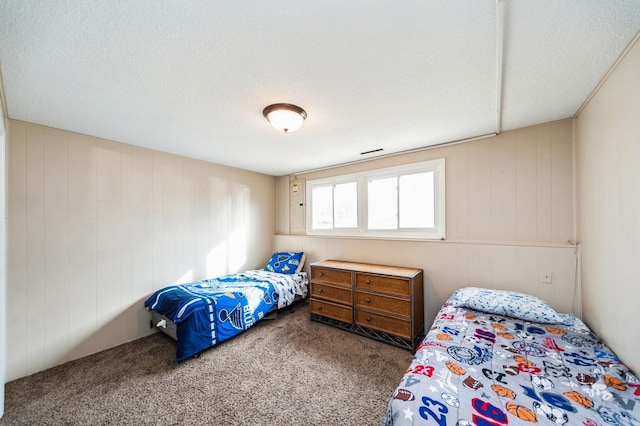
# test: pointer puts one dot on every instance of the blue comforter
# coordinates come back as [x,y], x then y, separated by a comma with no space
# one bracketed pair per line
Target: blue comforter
[210,311]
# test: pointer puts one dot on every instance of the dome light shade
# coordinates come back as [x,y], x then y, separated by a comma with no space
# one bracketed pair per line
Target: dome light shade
[285,117]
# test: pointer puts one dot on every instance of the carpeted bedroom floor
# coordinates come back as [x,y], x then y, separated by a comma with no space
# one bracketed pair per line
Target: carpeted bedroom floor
[287,371]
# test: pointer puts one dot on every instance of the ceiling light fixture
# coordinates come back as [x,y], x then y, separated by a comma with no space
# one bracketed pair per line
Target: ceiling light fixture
[285,117]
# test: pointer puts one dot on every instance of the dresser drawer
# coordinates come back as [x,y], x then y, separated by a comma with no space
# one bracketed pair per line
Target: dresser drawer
[329,292]
[399,286]
[384,323]
[331,276]
[331,310]
[392,305]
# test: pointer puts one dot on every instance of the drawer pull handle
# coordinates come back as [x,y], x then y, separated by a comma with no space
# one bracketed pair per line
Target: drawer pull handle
[319,308]
[368,300]
[320,291]
[368,318]
[368,282]
[320,274]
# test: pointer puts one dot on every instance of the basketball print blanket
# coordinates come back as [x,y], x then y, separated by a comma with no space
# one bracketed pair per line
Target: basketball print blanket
[504,358]
[210,311]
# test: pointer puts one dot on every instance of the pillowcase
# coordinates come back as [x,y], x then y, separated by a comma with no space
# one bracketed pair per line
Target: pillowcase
[285,262]
[301,264]
[507,303]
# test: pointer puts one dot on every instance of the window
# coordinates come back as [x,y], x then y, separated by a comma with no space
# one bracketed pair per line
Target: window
[335,206]
[405,201]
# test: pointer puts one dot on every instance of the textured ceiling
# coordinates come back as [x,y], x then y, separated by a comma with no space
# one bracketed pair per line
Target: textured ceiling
[192,77]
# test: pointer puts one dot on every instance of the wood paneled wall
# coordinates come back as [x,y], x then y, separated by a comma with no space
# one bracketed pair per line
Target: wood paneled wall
[450,266]
[509,216]
[514,187]
[95,226]
[607,162]
[3,248]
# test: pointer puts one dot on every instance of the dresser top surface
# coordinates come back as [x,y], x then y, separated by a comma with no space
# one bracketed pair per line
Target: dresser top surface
[368,268]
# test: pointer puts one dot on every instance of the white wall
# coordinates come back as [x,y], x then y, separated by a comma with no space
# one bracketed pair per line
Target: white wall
[95,226]
[509,217]
[608,192]
[3,251]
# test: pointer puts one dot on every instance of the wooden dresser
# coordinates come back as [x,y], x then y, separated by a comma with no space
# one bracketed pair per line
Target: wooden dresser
[377,301]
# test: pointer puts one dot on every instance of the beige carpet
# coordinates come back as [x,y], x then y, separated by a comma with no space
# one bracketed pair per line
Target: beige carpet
[287,371]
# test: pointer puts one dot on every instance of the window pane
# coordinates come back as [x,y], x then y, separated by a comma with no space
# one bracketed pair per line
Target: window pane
[383,203]
[417,200]
[345,199]
[322,208]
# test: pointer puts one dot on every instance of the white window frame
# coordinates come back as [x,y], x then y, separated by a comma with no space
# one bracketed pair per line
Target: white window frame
[437,232]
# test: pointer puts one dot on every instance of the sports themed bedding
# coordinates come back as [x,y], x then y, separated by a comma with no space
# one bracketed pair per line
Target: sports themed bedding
[210,311]
[503,358]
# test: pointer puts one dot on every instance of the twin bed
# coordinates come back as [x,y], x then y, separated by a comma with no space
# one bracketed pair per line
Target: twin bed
[491,358]
[497,358]
[201,314]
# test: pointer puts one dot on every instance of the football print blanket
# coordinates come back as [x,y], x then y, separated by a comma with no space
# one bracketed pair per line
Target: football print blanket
[505,358]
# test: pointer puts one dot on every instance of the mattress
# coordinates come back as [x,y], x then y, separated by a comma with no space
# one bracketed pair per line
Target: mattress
[211,311]
[498,358]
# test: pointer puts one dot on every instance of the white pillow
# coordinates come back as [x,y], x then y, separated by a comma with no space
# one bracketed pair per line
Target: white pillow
[301,264]
[507,303]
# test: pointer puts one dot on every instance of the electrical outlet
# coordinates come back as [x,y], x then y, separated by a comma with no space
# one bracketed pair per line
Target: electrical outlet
[546,277]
